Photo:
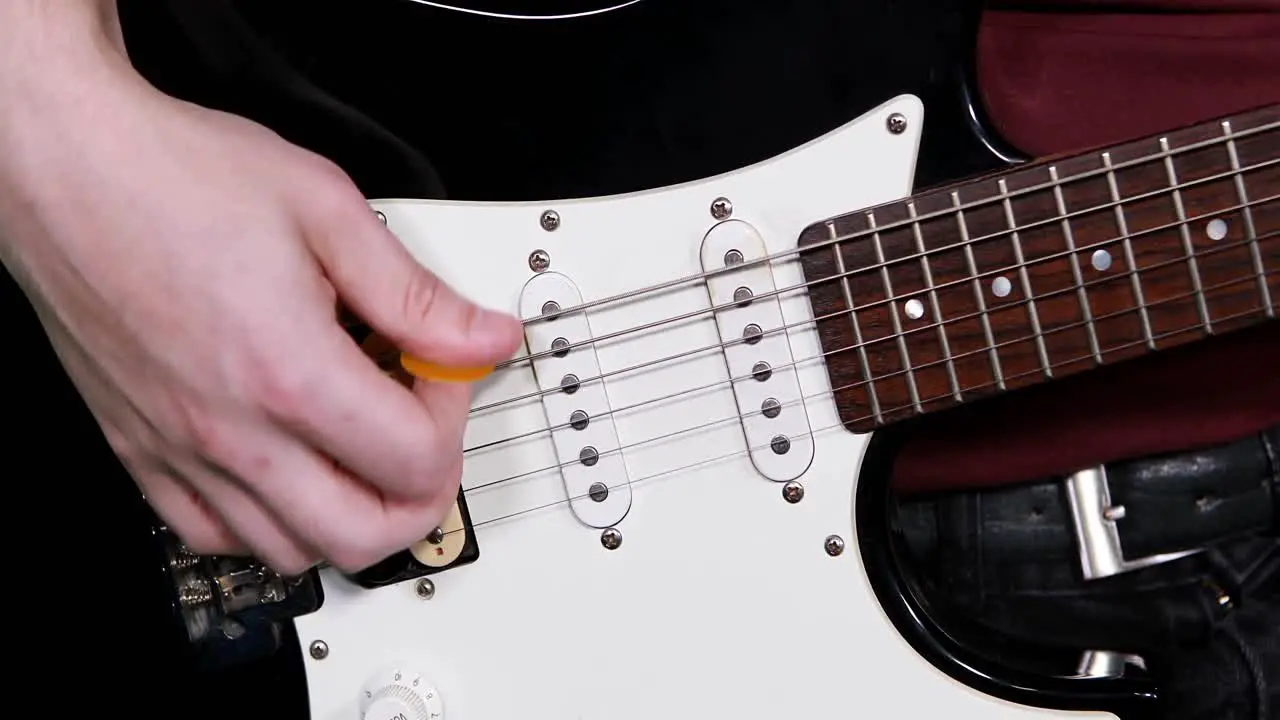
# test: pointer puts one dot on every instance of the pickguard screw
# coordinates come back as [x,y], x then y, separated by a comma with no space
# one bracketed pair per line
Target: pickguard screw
[539,261]
[897,123]
[436,536]
[382,217]
[425,589]
[793,492]
[721,208]
[834,545]
[611,539]
[550,221]
[319,650]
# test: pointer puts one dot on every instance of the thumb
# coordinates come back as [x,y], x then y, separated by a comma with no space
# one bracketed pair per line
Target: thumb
[410,306]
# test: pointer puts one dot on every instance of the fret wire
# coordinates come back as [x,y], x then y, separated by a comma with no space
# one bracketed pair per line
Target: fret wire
[1184,230]
[997,371]
[821,393]
[1242,195]
[1025,276]
[857,329]
[858,347]
[1081,295]
[937,306]
[1123,227]
[893,313]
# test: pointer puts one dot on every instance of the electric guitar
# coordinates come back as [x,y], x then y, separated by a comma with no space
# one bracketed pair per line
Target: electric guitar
[674,497]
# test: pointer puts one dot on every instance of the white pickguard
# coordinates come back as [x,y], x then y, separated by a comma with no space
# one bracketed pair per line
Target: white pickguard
[721,601]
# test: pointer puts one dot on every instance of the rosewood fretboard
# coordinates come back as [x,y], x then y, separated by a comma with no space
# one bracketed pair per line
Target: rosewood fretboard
[1060,266]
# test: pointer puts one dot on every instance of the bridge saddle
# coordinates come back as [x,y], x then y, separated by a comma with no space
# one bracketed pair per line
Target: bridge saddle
[757,351]
[577,408]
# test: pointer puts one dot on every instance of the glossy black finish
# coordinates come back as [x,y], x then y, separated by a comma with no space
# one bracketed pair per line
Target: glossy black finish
[995,666]
[660,92]
[403,566]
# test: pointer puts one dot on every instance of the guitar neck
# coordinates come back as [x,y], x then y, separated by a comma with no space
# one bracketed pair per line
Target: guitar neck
[1012,280]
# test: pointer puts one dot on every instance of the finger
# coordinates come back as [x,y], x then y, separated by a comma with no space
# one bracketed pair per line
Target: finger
[382,283]
[341,405]
[183,512]
[344,520]
[261,530]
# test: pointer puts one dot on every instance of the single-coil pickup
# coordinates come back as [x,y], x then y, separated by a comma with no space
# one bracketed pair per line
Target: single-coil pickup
[573,396]
[757,351]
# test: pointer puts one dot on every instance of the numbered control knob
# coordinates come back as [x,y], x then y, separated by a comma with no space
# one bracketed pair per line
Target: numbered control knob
[398,695]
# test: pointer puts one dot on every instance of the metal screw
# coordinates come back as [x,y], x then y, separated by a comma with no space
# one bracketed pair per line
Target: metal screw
[897,123]
[761,371]
[1116,512]
[319,650]
[793,492]
[834,545]
[611,539]
[721,208]
[436,536]
[550,221]
[539,261]
[771,408]
[570,384]
[599,492]
[425,589]
[781,444]
[382,217]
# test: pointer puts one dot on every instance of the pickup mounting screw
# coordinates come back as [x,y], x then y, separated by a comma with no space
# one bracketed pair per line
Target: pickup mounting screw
[539,261]
[793,492]
[435,537]
[550,221]
[319,650]
[897,123]
[611,539]
[721,208]
[425,589]
[834,545]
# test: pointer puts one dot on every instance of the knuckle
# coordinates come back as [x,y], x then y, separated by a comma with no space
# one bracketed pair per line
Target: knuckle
[285,393]
[421,295]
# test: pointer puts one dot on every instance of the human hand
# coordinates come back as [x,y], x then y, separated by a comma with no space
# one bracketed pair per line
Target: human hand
[186,265]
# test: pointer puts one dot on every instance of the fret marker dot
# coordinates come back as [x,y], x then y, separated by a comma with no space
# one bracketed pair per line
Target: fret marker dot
[914,309]
[1001,286]
[1101,260]
[1216,229]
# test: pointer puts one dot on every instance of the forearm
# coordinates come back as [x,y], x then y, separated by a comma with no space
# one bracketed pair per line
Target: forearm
[39,39]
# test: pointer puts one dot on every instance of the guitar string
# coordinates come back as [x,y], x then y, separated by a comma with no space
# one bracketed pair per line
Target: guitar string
[917,256]
[814,433]
[916,368]
[941,324]
[956,209]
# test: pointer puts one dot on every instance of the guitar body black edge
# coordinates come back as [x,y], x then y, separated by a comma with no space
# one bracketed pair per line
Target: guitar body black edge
[688,109]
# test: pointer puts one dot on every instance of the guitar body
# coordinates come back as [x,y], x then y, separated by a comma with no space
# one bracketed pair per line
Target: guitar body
[737,561]
[721,599]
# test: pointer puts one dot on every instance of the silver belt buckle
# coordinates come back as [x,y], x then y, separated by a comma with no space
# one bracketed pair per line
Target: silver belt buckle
[1094,518]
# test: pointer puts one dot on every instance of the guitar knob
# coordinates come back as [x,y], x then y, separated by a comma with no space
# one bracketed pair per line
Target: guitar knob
[398,695]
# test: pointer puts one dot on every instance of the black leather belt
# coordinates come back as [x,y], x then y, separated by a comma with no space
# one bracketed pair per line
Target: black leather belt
[1099,522]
